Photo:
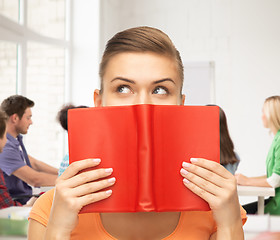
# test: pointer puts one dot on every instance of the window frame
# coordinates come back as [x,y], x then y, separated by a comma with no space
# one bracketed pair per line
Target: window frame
[19,33]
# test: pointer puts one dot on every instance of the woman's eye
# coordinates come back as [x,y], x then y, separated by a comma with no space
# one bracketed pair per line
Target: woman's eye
[124,89]
[160,90]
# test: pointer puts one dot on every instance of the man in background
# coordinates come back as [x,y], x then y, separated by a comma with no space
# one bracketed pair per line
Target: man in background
[20,169]
[5,198]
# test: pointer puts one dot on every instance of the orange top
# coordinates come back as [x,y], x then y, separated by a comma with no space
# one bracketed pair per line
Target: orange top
[192,224]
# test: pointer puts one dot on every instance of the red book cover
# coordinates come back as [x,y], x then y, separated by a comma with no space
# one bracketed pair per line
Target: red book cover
[145,145]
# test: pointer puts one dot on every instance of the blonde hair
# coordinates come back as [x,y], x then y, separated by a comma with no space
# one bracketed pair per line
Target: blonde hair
[272,111]
[140,39]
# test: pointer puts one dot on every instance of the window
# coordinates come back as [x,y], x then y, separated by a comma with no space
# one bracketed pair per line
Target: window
[8,68]
[9,9]
[34,57]
[47,17]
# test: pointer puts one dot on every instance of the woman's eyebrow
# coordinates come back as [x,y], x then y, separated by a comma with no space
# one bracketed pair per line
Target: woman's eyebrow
[133,82]
[164,80]
[123,79]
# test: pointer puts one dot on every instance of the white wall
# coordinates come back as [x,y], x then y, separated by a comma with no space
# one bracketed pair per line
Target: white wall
[242,37]
[85,52]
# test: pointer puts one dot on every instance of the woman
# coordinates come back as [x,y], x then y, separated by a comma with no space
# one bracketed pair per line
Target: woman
[228,157]
[62,117]
[271,120]
[139,66]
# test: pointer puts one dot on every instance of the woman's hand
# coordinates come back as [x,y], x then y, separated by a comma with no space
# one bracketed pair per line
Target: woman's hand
[213,183]
[74,189]
[241,179]
[260,181]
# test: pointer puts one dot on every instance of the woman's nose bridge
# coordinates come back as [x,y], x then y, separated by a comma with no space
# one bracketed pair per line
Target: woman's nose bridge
[143,98]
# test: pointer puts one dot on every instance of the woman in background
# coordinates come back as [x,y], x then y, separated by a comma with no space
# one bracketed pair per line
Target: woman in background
[228,157]
[271,120]
[62,117]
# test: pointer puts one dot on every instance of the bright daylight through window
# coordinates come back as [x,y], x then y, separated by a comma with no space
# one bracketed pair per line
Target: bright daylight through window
[34,52]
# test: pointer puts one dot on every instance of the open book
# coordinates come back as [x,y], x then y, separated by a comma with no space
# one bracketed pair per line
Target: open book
[145,145]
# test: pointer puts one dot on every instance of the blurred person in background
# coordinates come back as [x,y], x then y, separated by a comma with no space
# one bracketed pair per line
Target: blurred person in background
[271,120]
[228,157]
[5,198]
[21,171]
[62,117]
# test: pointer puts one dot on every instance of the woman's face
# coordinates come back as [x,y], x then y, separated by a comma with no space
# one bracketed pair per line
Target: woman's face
[140,78]
[264,119]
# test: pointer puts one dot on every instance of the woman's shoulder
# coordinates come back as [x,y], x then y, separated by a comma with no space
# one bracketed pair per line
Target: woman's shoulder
[47,196]
[277,136]
[198,215]
[276,142]
[42,208]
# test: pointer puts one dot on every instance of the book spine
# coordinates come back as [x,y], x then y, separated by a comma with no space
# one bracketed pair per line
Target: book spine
[145,162]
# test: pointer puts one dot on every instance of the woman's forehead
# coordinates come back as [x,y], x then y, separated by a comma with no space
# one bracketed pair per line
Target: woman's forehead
[137,66]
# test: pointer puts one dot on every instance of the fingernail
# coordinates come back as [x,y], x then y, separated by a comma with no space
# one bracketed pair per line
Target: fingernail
[186,181]
[193,160]
[97,160]
[109,192]
[109,170]
[186,164]
[183,171]
[111,180]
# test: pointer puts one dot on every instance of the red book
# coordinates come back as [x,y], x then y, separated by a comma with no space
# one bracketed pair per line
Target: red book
[145,145]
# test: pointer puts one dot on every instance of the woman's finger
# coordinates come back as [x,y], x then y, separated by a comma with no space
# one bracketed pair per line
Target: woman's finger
[203,173]
[94,197]
[211,166]
[205,195]
[93,187]
[87,176]
[78,166]
[200,182]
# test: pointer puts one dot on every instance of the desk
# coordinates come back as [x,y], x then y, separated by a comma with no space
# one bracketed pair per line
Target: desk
[260,226]
[12,238]
[10,227]
[260,192]
[45,189]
